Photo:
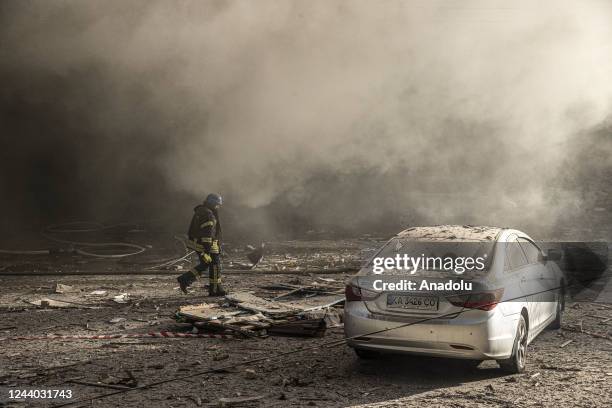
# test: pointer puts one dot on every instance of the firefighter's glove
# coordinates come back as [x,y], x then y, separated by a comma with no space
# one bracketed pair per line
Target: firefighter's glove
[206,258]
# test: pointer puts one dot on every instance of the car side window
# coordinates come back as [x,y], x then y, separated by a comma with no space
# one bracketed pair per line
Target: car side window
[532,251]
[516,257]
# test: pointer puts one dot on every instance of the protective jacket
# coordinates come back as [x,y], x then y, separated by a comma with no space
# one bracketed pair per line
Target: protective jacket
[204,231]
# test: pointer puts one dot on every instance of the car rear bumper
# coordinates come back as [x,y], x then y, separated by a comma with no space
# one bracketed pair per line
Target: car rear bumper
[473,335]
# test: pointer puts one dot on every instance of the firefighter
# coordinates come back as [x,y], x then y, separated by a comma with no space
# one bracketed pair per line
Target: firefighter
[204,236]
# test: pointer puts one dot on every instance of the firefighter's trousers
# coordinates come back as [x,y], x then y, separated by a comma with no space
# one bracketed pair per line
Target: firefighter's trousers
[214,271]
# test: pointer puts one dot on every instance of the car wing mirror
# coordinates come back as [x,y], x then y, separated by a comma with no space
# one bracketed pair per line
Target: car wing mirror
[552,255]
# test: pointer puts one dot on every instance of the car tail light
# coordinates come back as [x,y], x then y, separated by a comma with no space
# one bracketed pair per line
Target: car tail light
[355,293]
[482,300]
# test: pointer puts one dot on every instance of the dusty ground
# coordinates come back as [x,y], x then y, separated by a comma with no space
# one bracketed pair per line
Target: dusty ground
[579,374]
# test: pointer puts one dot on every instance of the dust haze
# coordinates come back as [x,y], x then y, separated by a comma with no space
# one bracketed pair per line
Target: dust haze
[305,115]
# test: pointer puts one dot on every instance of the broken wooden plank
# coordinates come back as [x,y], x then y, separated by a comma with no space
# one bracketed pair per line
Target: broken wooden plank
[249,301]
[323,290]
[205,312]
[291,292]
[228,402]
[261,324]
[249,319]
[326,305]
[63,366]
[56,303]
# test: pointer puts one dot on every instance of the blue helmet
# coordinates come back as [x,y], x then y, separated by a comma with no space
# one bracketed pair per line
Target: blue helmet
[213,200]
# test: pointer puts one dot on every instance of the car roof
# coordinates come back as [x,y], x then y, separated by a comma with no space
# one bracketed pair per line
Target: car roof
[468,233]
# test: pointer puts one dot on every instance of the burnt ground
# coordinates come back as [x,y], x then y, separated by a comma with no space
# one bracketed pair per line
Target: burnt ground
[578,374]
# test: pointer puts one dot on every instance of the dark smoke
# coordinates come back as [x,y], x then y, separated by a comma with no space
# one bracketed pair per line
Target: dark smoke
[324,115]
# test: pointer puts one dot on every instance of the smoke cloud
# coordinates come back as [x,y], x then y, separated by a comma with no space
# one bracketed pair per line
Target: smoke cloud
[305,114]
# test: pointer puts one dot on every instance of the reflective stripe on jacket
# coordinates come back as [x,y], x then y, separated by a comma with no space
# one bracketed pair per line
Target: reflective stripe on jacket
[204,230]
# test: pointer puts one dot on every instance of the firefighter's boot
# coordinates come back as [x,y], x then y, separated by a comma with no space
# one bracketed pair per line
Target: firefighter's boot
[215,290]
[185,280]
[219,290]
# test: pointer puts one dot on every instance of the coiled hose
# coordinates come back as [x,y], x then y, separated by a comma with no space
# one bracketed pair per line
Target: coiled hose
[173,261]
[79,246]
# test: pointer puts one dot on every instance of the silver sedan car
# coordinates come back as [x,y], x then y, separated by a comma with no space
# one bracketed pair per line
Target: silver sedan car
[516,294]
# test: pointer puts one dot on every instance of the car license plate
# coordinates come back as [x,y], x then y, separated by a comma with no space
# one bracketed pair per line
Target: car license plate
[412,302]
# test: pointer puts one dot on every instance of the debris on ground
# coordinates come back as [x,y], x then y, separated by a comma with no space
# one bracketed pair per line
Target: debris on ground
[251,315]
[577,375]
[54,303]
[579,329]
[255,255]
[230,402]
[122,298]
[126,380]
[60,288]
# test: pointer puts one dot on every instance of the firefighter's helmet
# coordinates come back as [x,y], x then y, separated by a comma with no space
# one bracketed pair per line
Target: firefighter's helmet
[213,200]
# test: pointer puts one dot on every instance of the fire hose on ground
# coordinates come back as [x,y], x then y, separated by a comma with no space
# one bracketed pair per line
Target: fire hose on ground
[80,247]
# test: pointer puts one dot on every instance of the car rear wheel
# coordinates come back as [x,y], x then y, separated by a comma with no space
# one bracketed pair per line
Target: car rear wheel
[366,354]
[556,324]
[516,363]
